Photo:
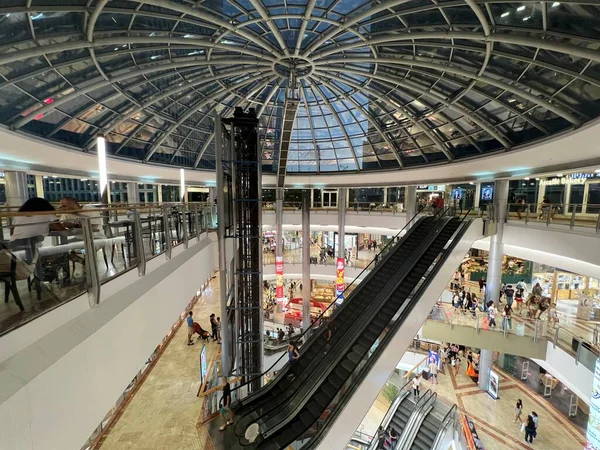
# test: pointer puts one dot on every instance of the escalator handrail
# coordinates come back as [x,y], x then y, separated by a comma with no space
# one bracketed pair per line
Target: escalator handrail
[317,320]
[407,266]
[415,421]
[383,344]
[385,422]
[448,418]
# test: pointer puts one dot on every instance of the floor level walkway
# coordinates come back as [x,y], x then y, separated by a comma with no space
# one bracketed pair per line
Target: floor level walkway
[164,412]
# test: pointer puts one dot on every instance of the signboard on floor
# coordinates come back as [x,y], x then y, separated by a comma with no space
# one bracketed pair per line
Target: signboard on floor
[279,277]
[593,428]
[339,284]
[203,364]
[433,358]
[494,382]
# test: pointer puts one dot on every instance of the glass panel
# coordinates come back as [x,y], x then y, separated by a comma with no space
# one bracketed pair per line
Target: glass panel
[593,201]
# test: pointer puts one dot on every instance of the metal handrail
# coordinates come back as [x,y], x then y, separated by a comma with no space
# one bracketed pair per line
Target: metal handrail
[391,412]
[415,420]
[322,315]
[447,420]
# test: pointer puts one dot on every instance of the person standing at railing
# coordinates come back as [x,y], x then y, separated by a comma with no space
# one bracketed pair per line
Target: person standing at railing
[492,314]
[546,209]
[507,317]
[509,293]
[520,207]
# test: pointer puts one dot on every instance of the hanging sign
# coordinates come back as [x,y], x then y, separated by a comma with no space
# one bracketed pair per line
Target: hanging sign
[339,284]
[279,277]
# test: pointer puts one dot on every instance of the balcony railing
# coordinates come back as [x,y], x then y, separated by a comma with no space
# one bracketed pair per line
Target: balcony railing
[584,217]
[49,258]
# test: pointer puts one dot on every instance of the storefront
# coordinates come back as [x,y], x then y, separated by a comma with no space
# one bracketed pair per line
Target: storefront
[475,266]
[426,193]
[463,195]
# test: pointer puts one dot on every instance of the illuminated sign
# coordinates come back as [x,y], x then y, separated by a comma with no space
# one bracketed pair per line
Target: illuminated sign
[494,384]
[279,277]
[574,179]
[203,364]
[339,284]
[593,428]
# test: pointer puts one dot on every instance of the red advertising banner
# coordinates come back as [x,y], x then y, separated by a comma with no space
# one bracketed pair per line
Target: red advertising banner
[279,277]
[339,284]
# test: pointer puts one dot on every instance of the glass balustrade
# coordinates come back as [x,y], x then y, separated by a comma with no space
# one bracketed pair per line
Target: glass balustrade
[583,217]
[48,258]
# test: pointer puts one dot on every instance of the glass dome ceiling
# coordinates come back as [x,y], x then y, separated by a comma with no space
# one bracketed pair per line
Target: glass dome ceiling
[384,84]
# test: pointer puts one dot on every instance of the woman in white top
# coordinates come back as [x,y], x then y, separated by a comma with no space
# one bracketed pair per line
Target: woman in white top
[28,231]
[415,384]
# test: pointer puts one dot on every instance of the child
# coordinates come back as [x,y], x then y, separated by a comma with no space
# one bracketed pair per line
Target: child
[554,317]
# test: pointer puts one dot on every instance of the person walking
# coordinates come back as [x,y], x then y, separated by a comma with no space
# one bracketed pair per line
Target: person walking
[219,330]
[190,325]
[529,429]
[492,314]
[518,411]
[456,366]
[213,327]
[226,404]
[509,293]
[433,371]
[416,382]
[507,317]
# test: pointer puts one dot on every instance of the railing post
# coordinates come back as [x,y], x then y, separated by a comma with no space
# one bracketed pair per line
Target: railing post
[527,214]
[507,212]
[139,243]
[573,211]
[555,340]
[477,327]
[505,328]
[595,336]
[548,214]
[184,224]
[197,223]
[536,330]
[167,231]
[598,224]
[91,265]
[578,354]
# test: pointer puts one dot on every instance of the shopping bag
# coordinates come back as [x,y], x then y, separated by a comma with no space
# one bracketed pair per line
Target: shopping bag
[522,427]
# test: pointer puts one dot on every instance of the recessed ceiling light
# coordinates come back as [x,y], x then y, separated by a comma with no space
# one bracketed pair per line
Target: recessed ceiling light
[521,8]
[555,4]
[506,14]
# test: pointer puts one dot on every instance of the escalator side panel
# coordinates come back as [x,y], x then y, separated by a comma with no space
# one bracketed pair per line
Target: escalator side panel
[348,419]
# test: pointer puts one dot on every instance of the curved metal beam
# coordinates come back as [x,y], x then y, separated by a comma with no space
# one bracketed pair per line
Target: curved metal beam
[452,69]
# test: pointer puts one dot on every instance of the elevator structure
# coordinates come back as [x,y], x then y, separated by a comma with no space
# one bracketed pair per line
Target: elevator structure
[239,203]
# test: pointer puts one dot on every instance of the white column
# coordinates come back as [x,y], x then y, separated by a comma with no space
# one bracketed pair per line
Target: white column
[486,361]
[159,193]
[103,174]
[477,195]
[39,186]
[494,272]
[410,201]
[182,187]
[385,194]
[341,222]
[306,259]
[16,188]
[133,192]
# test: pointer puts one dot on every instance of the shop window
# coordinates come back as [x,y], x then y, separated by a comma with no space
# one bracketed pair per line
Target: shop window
[576,199]
[593,200]
[523,189]
[556,194]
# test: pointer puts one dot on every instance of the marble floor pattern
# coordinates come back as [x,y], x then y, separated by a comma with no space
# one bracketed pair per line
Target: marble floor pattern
[163,413]
[494,418]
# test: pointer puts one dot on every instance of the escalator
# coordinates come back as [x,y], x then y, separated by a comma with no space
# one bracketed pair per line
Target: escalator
[287,410]
[312,353]
[400,417]
[427,433]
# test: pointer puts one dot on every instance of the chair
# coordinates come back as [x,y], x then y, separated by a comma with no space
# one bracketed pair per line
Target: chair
[13,269]
[97,224]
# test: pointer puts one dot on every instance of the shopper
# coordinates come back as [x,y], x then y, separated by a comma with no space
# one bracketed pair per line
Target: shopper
[521,286]
[509,292]
[416,382]
[507,317]
[190,325]
[480,282]
[491,314]
[219,330]
[226,404]
[519,300]
[518,411]
[393,437]
[293,357]
[433,371]
[457,366]
[381,435]
[536,421]
[213,327]
[529,429]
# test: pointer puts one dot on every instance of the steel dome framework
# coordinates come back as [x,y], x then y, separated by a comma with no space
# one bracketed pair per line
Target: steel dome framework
[384,84]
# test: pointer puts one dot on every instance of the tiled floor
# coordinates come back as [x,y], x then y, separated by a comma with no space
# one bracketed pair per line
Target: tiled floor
[494,418]
[164,412]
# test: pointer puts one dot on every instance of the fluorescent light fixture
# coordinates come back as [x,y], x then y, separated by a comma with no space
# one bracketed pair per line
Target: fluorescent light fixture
[470,182]
[521,8]
[37,16]
[101,149]
[512,100]
[506,14]
[155,57]
[555,4]
[526,178]
[559,174]
[537,179]
[182,184]
[526,18]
